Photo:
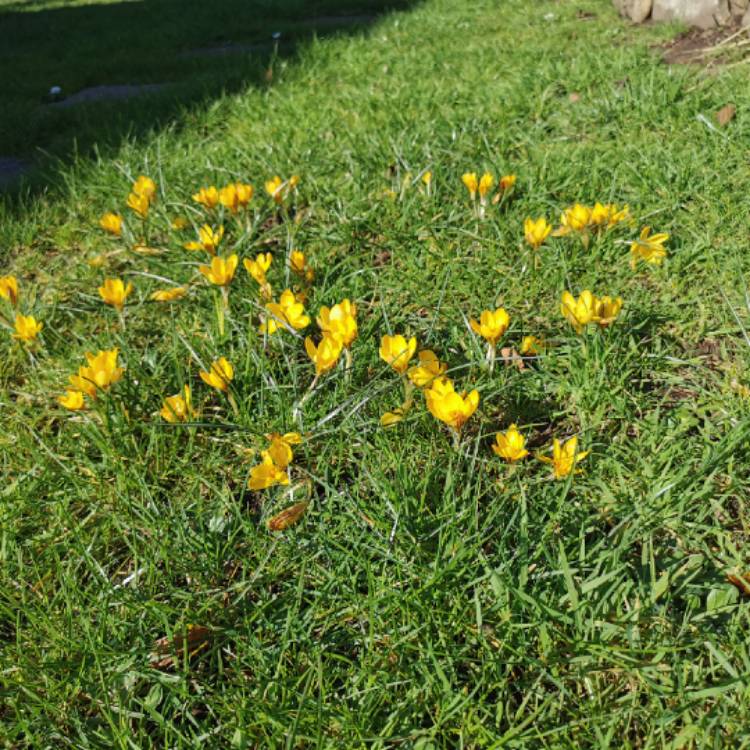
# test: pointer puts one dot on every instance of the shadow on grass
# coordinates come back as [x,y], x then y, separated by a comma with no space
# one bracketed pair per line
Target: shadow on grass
[126,68]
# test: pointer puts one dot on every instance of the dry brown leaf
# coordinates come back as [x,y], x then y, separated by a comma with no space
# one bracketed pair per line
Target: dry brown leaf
[726,114]
[170,651]
[741,581]
[288,517]
[510,356]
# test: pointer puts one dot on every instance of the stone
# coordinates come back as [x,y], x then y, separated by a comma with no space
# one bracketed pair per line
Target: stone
[705,14]
[746,18]
[636,10]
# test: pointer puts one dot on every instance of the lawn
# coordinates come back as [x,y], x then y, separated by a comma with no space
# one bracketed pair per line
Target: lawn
[430,593]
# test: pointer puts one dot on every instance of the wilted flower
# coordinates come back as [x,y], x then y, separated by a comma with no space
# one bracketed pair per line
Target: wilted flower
[491,325]
[235,196]
[536,231]
[220,375]
[208,240]
[287,517]
[579,312]
[326,354]
[471,182]
[114,292]
[9,288]
[648,247]
[221,271]
[510,444]
[429,368]
[340,322]
[169,295]
[207,196]
[607,310]
[564,457]
[507,182]
[139,204]
[391,418]
[72,400]
[448,406]
[178,408]
[111,223]
[27,328]
[397,351]
[287,310]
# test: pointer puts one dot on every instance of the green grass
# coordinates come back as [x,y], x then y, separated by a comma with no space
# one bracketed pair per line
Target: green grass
[431,596]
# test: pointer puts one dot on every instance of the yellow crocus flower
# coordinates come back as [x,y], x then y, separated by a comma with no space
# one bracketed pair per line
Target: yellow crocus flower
[429,368]
[178,408]
[221,271]
[486,183]
[648,247]
[340,322]
[278,189]
[326,354]
[564,457]
[207,196]
[72,400]
[280,448]
[26,328]
[139,204]
[531,345]
[169,295]
[220,375]
[235,196]
[579,312]
[111,223]
[446,405]
[471,182]
[101,373]
[257,268]
[574,219]
[208,239]
[427,178]
[397,351]
[491,325]
[536,231]
[607,310]
[510,444]
[145,187]
[599,215]
[616,215]
[267,474]
[9,289]
[114,292]
[288,310]
[179,223]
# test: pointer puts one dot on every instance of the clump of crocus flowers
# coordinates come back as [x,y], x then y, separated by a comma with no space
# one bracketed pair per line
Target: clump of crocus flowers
[276,458]
[588,308]
[101,372]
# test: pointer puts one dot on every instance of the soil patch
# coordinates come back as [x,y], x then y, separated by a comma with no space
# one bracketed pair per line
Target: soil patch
[704,46]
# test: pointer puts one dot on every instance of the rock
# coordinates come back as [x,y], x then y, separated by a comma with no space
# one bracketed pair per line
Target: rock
[702,13]
[738,8]
[746,18]
[636,10]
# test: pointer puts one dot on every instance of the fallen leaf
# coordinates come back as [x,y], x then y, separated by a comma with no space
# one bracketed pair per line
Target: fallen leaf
[741,581]
[288,517]
[510,356]
[170,651]
[726,114]
[574,97]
